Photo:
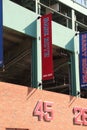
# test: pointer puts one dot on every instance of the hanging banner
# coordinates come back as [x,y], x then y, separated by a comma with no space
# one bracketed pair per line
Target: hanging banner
[83,59]
[1,39]
[46,45]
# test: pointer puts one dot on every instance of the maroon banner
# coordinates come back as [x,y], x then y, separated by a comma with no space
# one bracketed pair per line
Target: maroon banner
[46,45]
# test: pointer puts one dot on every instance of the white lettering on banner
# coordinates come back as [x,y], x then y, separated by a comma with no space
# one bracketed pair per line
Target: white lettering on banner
[46,47]
[46,24]
[84,60]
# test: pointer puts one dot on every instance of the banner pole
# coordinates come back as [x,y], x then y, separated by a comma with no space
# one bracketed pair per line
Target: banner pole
[1,35]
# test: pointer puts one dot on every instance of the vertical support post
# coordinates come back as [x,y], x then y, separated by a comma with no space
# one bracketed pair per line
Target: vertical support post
[37,59]
[39,55]
[36,6]
[34,64]
[73,20]
[1,34]
[75,68]
[69,73]
[39,8]
[73,76]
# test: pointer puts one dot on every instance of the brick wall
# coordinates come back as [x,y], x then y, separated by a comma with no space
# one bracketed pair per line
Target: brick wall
[17,104]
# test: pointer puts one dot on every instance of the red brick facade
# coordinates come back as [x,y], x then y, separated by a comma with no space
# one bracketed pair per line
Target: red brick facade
[17,105]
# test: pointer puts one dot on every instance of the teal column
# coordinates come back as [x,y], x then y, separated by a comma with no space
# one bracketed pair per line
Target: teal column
[75,68]
[34,64]
[1,35]
[39,55]
[37,59]
[73,75]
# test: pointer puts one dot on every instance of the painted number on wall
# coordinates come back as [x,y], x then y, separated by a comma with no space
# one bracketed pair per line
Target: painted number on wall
[43,110]
[80,116]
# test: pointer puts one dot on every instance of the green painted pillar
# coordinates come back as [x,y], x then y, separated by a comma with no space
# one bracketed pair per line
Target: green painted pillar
[36,59]
[75,68]
[34,63]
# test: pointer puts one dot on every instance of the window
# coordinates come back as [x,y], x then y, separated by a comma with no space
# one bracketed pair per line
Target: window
[62,72]
[29,4]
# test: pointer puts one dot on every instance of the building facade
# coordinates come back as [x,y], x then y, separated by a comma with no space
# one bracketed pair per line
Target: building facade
[24,108]
[22,65]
